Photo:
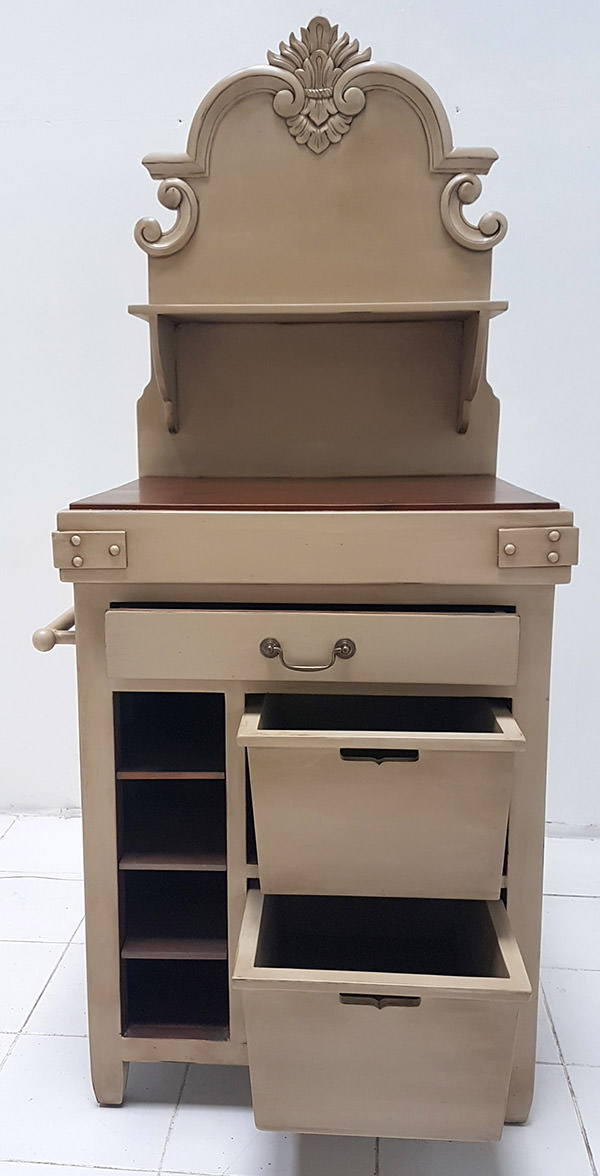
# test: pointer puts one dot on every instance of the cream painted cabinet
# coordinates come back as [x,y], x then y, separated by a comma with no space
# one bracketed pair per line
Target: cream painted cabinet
[313,637]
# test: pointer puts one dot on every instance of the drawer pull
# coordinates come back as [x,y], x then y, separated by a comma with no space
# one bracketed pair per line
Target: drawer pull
[379,755]
[344,648]
[380,1002]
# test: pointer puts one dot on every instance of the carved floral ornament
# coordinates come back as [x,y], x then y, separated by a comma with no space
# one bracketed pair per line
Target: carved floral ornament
[319,82]
[318,62]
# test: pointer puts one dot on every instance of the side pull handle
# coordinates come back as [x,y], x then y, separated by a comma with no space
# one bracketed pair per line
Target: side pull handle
[57,632]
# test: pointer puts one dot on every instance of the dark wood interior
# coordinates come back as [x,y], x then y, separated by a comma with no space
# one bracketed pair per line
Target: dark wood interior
[169,734]
[356,712]
[452,492]
[172,824]
[167,914]
[174,998]
[432,937]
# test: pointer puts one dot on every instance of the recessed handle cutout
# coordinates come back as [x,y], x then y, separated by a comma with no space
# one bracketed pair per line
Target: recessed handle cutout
[380,1002]
[380,755]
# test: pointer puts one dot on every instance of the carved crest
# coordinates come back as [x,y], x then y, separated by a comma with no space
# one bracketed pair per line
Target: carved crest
[318,62]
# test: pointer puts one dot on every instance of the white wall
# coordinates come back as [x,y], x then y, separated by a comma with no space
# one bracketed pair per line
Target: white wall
[85,90]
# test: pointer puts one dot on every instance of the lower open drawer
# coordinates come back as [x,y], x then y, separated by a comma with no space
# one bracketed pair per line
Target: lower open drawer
[380,795]
[391,1017]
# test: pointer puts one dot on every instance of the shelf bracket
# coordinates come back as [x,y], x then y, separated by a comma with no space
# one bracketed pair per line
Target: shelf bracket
[164,366]
[475,333]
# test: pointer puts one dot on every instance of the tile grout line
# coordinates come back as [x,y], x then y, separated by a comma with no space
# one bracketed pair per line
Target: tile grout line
[92,1167]
[50,977]
[172,1120]
[13,822]
[582,1128]
[376,1168]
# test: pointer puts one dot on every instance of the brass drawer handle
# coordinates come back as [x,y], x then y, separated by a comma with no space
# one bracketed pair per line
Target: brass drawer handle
[380,1002]
[344,648]
[58,632]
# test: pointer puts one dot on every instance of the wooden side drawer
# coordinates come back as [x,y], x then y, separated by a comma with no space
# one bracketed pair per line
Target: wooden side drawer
[380,795]
[405,646]
[392,1017]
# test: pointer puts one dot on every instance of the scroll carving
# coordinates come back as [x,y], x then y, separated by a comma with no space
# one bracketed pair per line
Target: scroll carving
[179,196]
[322,104]
[492,227]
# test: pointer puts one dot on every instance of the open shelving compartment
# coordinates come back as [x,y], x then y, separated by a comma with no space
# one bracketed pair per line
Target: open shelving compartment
[171,814]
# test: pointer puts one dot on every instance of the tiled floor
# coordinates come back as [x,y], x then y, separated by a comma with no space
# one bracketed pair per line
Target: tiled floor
[198,1120]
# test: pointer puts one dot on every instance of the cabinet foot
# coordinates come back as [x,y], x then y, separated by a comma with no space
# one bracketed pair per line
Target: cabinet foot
[109,1082]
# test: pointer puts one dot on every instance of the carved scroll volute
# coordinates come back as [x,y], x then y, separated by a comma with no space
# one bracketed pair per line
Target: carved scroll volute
[179,196]
[320,108]
[492,227]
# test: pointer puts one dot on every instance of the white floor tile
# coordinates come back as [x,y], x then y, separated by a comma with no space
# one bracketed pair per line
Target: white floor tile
[586,1084]
[572,866]
[574,1002]
[547,1049]
[43,846]
[62,1008]
[48,1113]
[549,1145]
[6,1040]
[571,933]
[24,969]
[214,1132]
[39,909]
[6,820]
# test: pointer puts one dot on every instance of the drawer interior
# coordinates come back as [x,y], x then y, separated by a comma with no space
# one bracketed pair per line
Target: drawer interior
[434,937]
[312,712]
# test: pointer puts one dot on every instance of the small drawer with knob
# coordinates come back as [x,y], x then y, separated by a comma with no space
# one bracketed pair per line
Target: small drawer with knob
[380,795]
[392,1017]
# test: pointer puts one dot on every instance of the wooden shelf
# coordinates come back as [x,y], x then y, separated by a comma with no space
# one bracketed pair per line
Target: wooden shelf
[142,774]
[210,862]
[139,948]
[163,319]
[179,1032]
[315,312]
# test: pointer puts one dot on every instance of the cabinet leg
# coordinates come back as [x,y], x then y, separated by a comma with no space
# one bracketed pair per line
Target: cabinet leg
[109,1080]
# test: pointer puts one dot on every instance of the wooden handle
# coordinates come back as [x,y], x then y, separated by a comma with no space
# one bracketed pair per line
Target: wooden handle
[380,755]
[58,632]
[380,1002]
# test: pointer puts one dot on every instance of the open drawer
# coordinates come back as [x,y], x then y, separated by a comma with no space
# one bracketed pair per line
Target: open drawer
[380,795]
[392,1017]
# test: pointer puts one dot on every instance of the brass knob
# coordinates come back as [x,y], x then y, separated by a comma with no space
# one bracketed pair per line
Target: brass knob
[553,557]
[114,549]
[510,549]
[75,540]
[77,561]
[554,536]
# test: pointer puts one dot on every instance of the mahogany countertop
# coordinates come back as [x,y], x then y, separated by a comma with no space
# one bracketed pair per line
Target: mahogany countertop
[470,492]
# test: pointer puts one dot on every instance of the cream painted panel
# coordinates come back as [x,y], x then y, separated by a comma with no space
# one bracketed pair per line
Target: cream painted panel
[459,648]
[328,547]
[439,1071]
[434,828]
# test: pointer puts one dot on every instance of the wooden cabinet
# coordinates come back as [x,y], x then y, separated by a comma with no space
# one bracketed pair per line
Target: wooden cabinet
[313,638]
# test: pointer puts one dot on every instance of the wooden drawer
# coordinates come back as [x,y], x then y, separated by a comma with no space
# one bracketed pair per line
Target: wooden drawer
[380,795]
[408,646]
[392,1017]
